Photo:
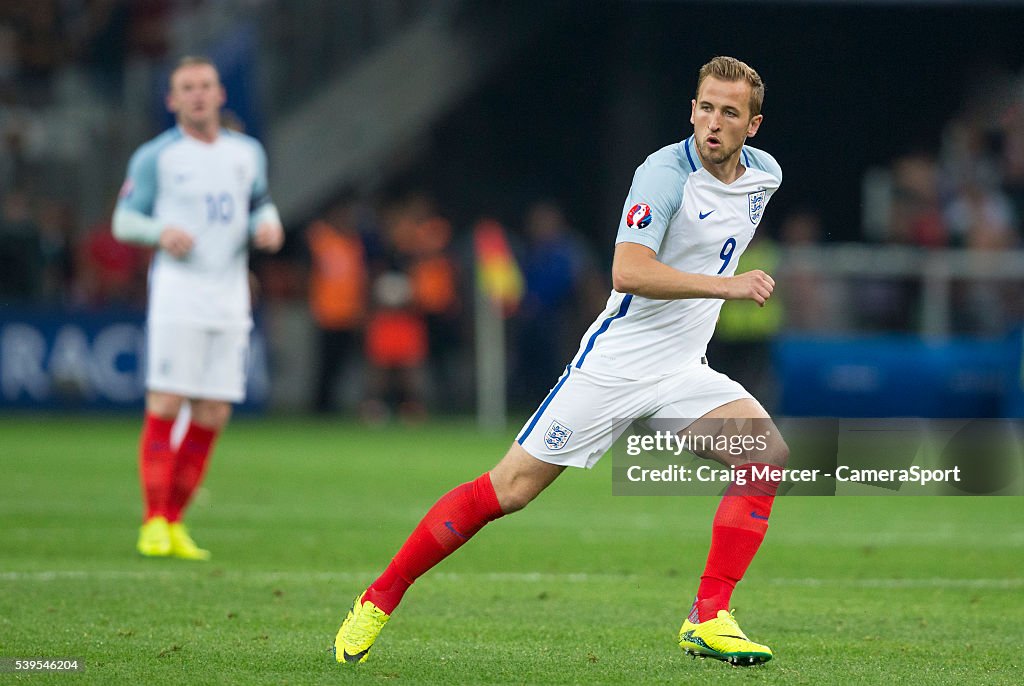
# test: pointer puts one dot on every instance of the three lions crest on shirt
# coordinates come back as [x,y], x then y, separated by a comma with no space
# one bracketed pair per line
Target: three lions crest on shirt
[755,203]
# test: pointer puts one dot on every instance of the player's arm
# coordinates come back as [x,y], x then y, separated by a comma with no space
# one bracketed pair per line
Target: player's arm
[133,220]
[265,227]
[132,226]
[636,270]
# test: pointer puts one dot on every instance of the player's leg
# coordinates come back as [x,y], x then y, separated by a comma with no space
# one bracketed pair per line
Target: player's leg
[156,468]
[576,424]
[173,368]
[455,518]
[209,417]
[218,379]
[738,528]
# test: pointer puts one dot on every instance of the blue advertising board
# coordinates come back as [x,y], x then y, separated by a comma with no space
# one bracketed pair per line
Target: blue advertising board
[88,360]
[898,376]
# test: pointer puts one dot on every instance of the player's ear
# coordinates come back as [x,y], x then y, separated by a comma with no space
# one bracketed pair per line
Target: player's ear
[169,103]
[754,125]
[693,109]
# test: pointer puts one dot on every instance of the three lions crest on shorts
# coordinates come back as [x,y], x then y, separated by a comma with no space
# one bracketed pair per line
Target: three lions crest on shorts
[557,435]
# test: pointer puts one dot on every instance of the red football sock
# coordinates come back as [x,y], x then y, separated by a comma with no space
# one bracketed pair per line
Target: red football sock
[736,533]
[452,521]
[189,467]
[156,462]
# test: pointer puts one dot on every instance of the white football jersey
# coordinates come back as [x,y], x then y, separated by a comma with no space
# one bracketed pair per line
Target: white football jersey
[209,190]
[696,224]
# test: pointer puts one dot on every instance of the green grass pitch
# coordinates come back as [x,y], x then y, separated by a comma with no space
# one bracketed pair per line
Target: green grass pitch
[581,587]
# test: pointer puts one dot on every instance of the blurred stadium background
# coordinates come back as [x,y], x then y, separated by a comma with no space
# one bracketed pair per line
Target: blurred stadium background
[465,162]
[412,129]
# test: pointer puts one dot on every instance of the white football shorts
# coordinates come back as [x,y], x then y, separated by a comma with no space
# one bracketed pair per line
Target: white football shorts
[585,413]
[196,361]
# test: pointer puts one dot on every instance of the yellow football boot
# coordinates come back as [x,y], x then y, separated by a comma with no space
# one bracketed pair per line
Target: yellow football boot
[358,632]
[154,538]
[182,545]
[722,639]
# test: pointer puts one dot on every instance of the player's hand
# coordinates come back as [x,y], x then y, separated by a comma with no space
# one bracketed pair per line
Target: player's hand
[753,285]
[175,241]
[268,237]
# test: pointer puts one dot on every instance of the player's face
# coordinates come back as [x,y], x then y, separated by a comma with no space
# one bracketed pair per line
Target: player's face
[196,96]
[721,119]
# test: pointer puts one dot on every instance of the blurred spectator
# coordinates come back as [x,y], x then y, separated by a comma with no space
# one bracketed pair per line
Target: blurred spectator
[886,303]
[109,273]
[56,222]
[8,63]
[983,164]
[337,297]
[965,154]
[803,292]
[419,239]
[983,221]
[24,141]
[396,349]
[21,256]
[981,217]
[916,213]
[555,266]
[98,36]
[149,21]
[1012,160]
[41,45]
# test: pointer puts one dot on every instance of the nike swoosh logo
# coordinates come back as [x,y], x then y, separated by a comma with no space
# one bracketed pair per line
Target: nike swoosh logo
[695,640]
[451,527]
[757,516]
[348,657]
[704,215]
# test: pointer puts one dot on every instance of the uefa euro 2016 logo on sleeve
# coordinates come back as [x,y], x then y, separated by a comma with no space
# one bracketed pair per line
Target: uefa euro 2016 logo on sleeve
[639,216]
[756,204]
[557,435]
[126,189]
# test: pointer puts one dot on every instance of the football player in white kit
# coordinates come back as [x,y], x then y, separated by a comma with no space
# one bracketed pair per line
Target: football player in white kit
[691,211]
[198,192]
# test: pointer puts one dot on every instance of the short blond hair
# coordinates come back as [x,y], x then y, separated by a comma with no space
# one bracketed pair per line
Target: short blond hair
[191,61]
[732,69]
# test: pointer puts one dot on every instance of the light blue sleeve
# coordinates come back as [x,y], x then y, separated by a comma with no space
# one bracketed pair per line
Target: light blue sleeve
[261,206]
[138,193]
[260,184]
[654,198]
[759,159]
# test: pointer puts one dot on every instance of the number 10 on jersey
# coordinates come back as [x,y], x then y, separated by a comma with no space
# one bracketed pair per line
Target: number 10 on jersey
[220,208]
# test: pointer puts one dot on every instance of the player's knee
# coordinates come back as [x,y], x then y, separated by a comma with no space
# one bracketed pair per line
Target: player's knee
[519,478]
[514,496]
[163,405]
[211,414]
[777,452]
[774,452]
[514,490]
